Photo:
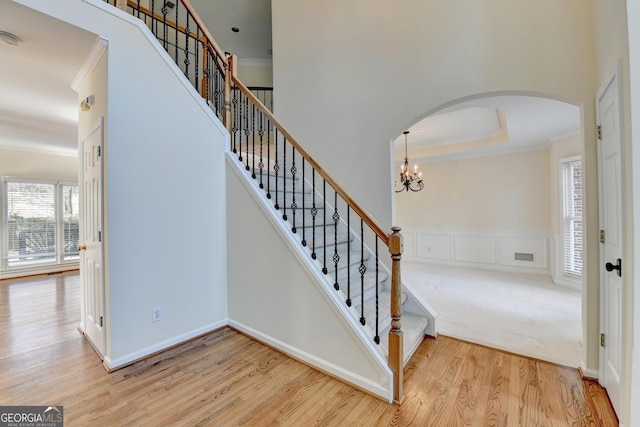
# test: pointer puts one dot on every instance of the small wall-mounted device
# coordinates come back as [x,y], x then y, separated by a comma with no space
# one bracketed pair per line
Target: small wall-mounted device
[87,103]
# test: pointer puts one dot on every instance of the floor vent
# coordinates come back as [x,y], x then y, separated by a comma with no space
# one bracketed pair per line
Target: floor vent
[524,257]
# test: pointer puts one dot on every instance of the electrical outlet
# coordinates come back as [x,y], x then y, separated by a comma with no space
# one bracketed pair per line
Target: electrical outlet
[156,314]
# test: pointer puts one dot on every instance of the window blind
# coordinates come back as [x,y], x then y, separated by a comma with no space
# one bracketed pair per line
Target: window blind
[40,223]
[30,219]
[70,214]
[572,217]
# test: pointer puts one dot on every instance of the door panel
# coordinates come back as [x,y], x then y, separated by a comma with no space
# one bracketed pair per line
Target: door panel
[92,273]
[610,175]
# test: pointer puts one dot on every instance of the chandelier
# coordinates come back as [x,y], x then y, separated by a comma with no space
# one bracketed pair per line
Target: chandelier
[409,180]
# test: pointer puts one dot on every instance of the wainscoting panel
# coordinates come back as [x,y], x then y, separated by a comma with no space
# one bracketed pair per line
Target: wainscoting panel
[409,244]
[479,249]
[526,252]
[434,246]
[523,252]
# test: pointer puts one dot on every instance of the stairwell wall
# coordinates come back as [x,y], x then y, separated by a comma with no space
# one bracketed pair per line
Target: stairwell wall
[164,186]
[351,75]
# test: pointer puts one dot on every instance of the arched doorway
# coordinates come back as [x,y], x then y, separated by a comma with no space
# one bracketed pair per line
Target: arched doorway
[493,241]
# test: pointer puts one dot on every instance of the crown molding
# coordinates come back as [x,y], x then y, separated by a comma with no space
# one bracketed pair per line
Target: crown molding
[98,49]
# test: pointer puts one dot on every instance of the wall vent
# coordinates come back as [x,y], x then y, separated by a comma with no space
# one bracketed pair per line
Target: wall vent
[523,257]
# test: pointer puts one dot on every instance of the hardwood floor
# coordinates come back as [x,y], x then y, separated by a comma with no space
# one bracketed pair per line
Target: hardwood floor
[226,378]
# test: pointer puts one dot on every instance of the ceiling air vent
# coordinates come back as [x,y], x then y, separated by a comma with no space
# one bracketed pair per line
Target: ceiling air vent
[523,257]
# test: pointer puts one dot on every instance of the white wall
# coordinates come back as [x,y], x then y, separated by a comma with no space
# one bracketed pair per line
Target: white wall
[255,75]
[275,299]
[165,211]
[351,75]
[505,192]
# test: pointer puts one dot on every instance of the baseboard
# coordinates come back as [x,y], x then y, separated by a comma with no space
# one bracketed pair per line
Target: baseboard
[121,362]
[569,284]
[39,271]
[322,365]
[588,374]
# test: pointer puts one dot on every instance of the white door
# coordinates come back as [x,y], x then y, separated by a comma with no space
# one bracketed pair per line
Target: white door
[610,176]
[91,265]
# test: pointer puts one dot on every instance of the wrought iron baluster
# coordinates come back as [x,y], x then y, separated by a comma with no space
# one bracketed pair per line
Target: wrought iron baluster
[253,140]
[206,75]
[240,124]
[186,61]
[294,205]
[377,337]
[165,42]
[217,85]
[197,70]
[276,167]
[304,212]
[314,212]
[362,269]
[324,225]
[336,256]
[175,49]
[220,86]
[234,125]
[246,131]
[348,256]
[261,135]
[154,22]
[284,178]
[268,157]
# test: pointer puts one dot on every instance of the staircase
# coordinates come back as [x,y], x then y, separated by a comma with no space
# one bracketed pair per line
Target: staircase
[349,266]
[357,261]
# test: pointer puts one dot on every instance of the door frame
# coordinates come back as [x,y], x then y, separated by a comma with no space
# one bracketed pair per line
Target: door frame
[613,78]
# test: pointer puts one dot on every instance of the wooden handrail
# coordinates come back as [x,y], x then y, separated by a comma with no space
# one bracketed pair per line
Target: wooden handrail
[205,38]
[134,5]
[205,31]
[368,219]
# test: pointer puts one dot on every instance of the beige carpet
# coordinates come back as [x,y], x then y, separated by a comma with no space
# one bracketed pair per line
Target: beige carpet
[520,313]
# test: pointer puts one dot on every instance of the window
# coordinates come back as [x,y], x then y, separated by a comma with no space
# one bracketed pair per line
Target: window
[571,181]
[40,223]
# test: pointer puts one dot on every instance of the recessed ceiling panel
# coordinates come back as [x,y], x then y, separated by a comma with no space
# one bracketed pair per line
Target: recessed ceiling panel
[490,126]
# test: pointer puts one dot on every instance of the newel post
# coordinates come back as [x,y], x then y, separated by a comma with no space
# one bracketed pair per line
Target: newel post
[396,357]
[229,71]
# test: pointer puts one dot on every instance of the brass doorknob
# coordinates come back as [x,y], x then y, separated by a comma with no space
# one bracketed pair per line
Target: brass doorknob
[82,247]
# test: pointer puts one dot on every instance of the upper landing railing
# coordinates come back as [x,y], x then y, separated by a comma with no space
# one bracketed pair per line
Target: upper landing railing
[320,211]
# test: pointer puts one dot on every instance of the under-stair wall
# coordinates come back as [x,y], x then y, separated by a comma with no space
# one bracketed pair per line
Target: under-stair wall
[276,294]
